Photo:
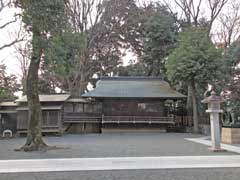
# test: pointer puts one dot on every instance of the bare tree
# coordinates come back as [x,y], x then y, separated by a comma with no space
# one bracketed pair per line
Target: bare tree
[229,25]
[4,6]
[23,54]
[215,7]
[191,11]
[83,15]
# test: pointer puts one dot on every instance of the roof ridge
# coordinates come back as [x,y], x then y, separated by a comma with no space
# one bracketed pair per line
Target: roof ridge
[131,78]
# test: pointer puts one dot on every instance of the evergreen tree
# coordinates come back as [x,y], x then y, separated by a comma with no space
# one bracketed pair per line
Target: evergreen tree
[196,60]
[44,19]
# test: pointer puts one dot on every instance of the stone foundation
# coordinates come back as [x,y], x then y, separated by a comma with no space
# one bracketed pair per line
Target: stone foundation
[131,130]
[231,135]
[80,128]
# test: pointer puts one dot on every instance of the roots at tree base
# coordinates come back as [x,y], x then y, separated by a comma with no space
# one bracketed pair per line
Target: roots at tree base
[35,144]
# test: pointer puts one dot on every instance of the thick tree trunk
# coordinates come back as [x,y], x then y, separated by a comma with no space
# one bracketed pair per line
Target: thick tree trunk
[194,107]
[34,140]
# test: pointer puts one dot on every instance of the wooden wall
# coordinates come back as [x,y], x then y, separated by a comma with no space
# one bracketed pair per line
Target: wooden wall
[51,120]
[133,107]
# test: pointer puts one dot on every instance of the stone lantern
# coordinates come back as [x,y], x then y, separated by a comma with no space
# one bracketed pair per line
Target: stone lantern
[214,110]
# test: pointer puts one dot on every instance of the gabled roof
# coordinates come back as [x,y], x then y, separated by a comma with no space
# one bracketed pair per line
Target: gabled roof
[79,100]
[133,87]
[8,103]
[48,98]
[43,108]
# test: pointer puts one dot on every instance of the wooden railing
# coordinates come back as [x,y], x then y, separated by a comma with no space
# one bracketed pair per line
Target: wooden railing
[82,117]
[98,118]
[138,119]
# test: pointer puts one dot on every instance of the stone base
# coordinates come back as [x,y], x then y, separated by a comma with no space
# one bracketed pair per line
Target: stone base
[131,130]
[231,135]
[80,128]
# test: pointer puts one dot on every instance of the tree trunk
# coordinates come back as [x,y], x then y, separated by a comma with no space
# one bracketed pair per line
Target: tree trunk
[189,101]
[83,83]
[34,140]
[194,106]
[78,86]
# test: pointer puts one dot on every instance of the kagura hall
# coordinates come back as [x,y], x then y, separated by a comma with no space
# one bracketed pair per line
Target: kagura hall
[117,104]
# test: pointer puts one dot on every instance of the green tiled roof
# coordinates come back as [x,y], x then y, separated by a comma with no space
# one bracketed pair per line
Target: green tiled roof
[132,87]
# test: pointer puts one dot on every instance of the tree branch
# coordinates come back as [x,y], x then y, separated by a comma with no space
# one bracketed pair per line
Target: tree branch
[6,24]
[11,43]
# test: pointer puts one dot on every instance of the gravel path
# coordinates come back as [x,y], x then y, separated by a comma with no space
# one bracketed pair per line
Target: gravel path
[173,174]
[111,145]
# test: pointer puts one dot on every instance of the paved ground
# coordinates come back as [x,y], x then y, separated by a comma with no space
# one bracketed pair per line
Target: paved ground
[120,163]
[111,145]
[206,141]
[170,174]
[122,145]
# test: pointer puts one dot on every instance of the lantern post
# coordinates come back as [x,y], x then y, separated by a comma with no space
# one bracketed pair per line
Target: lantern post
[214,110]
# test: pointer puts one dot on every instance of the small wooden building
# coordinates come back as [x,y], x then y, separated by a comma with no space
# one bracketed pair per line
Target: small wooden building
[52,109]
[62,114]
[136,102]
[8,116]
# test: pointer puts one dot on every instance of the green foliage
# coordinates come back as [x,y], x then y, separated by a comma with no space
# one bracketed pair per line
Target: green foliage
[43,18]
[119,28]
[159,38]
[195,59]
[156,35]
[43,15]
[8,84]
[232,58]
[65,51]
[231,85]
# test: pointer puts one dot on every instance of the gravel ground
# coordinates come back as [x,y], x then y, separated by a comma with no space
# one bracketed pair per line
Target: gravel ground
[111,145]
[173,174]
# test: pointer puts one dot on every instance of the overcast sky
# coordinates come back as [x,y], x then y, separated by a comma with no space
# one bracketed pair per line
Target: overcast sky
[8,55]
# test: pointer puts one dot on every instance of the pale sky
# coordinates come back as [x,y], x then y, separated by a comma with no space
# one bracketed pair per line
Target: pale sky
[8,55]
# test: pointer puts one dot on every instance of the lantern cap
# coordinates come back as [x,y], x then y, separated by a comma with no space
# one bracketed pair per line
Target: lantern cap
[213,98]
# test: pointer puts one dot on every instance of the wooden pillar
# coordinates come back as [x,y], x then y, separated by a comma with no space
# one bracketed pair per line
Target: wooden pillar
[60,121]
[47,120]
[73,107]
[162,108]
[174,109]
[1,123]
